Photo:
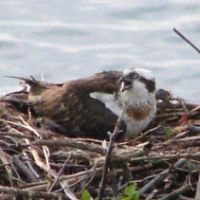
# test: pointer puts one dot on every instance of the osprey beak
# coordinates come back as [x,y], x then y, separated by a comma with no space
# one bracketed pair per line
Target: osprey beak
[126,83]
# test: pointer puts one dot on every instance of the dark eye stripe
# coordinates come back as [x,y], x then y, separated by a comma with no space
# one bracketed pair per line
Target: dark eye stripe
[150,84]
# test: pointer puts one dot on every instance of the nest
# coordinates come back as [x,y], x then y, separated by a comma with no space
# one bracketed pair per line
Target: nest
[161,163]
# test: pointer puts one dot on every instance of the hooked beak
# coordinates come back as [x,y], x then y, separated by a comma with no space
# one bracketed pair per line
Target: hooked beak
[126,83]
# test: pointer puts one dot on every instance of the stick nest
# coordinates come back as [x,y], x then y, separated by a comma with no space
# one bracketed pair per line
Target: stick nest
[164,161]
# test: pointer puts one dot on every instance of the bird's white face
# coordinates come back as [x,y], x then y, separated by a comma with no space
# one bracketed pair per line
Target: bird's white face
[137,81]
[137,98]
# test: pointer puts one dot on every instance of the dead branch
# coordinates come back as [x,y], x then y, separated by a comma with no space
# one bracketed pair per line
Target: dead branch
[108,158]
[186,40]
[31,193]
[160,177]
[70,143]
[176,192]
[197,195]
[24,170]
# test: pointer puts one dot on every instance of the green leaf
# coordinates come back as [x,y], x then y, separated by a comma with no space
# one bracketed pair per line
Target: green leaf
[130,193]
[86,195]
[170,133]
[130,189]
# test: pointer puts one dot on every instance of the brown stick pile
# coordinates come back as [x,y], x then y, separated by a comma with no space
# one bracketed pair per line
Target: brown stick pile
[164,161]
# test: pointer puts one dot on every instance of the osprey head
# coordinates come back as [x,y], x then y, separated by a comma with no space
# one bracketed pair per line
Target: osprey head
[137,78]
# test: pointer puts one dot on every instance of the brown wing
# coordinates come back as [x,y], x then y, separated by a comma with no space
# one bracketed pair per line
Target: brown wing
[107,82]
[72,107]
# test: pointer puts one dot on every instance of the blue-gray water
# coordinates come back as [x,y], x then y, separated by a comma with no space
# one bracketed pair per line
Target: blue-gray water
[66,39]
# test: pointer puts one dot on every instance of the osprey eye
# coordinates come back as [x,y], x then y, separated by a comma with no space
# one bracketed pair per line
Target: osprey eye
[134,75]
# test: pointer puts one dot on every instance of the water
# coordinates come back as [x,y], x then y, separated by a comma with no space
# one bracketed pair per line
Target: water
[69,39]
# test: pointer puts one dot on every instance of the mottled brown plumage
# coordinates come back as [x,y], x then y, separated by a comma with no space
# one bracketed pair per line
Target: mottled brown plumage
[70,105]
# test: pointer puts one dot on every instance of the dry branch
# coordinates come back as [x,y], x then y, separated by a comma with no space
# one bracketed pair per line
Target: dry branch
[176,192]
[31,194]
[197,195]
[160,177]
[186,40]
[108,158]
[71,143]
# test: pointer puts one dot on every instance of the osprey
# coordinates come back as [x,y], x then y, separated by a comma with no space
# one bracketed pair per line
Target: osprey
[136,97]
[90,106]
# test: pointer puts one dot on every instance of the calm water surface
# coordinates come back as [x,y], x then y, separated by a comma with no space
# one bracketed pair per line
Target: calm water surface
[63,40]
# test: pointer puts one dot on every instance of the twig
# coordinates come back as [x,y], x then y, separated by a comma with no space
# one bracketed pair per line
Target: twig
[126,155]
[10,134]
[186,40]
[113,179]
[71,143]
[197,196]
[32,194]
[176,193]
[168,156]
[74,154]
[108,158]
[181,197]
[59,174]
[92,176]
[186,141]
[24,169]
[25,125]
[30,164]
[146,133]
[160,177]
[36,186]
[5,159]
[87,173]
[151,195]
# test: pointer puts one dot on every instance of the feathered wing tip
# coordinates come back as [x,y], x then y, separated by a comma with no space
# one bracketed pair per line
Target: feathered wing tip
[30,81]
[33,86]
